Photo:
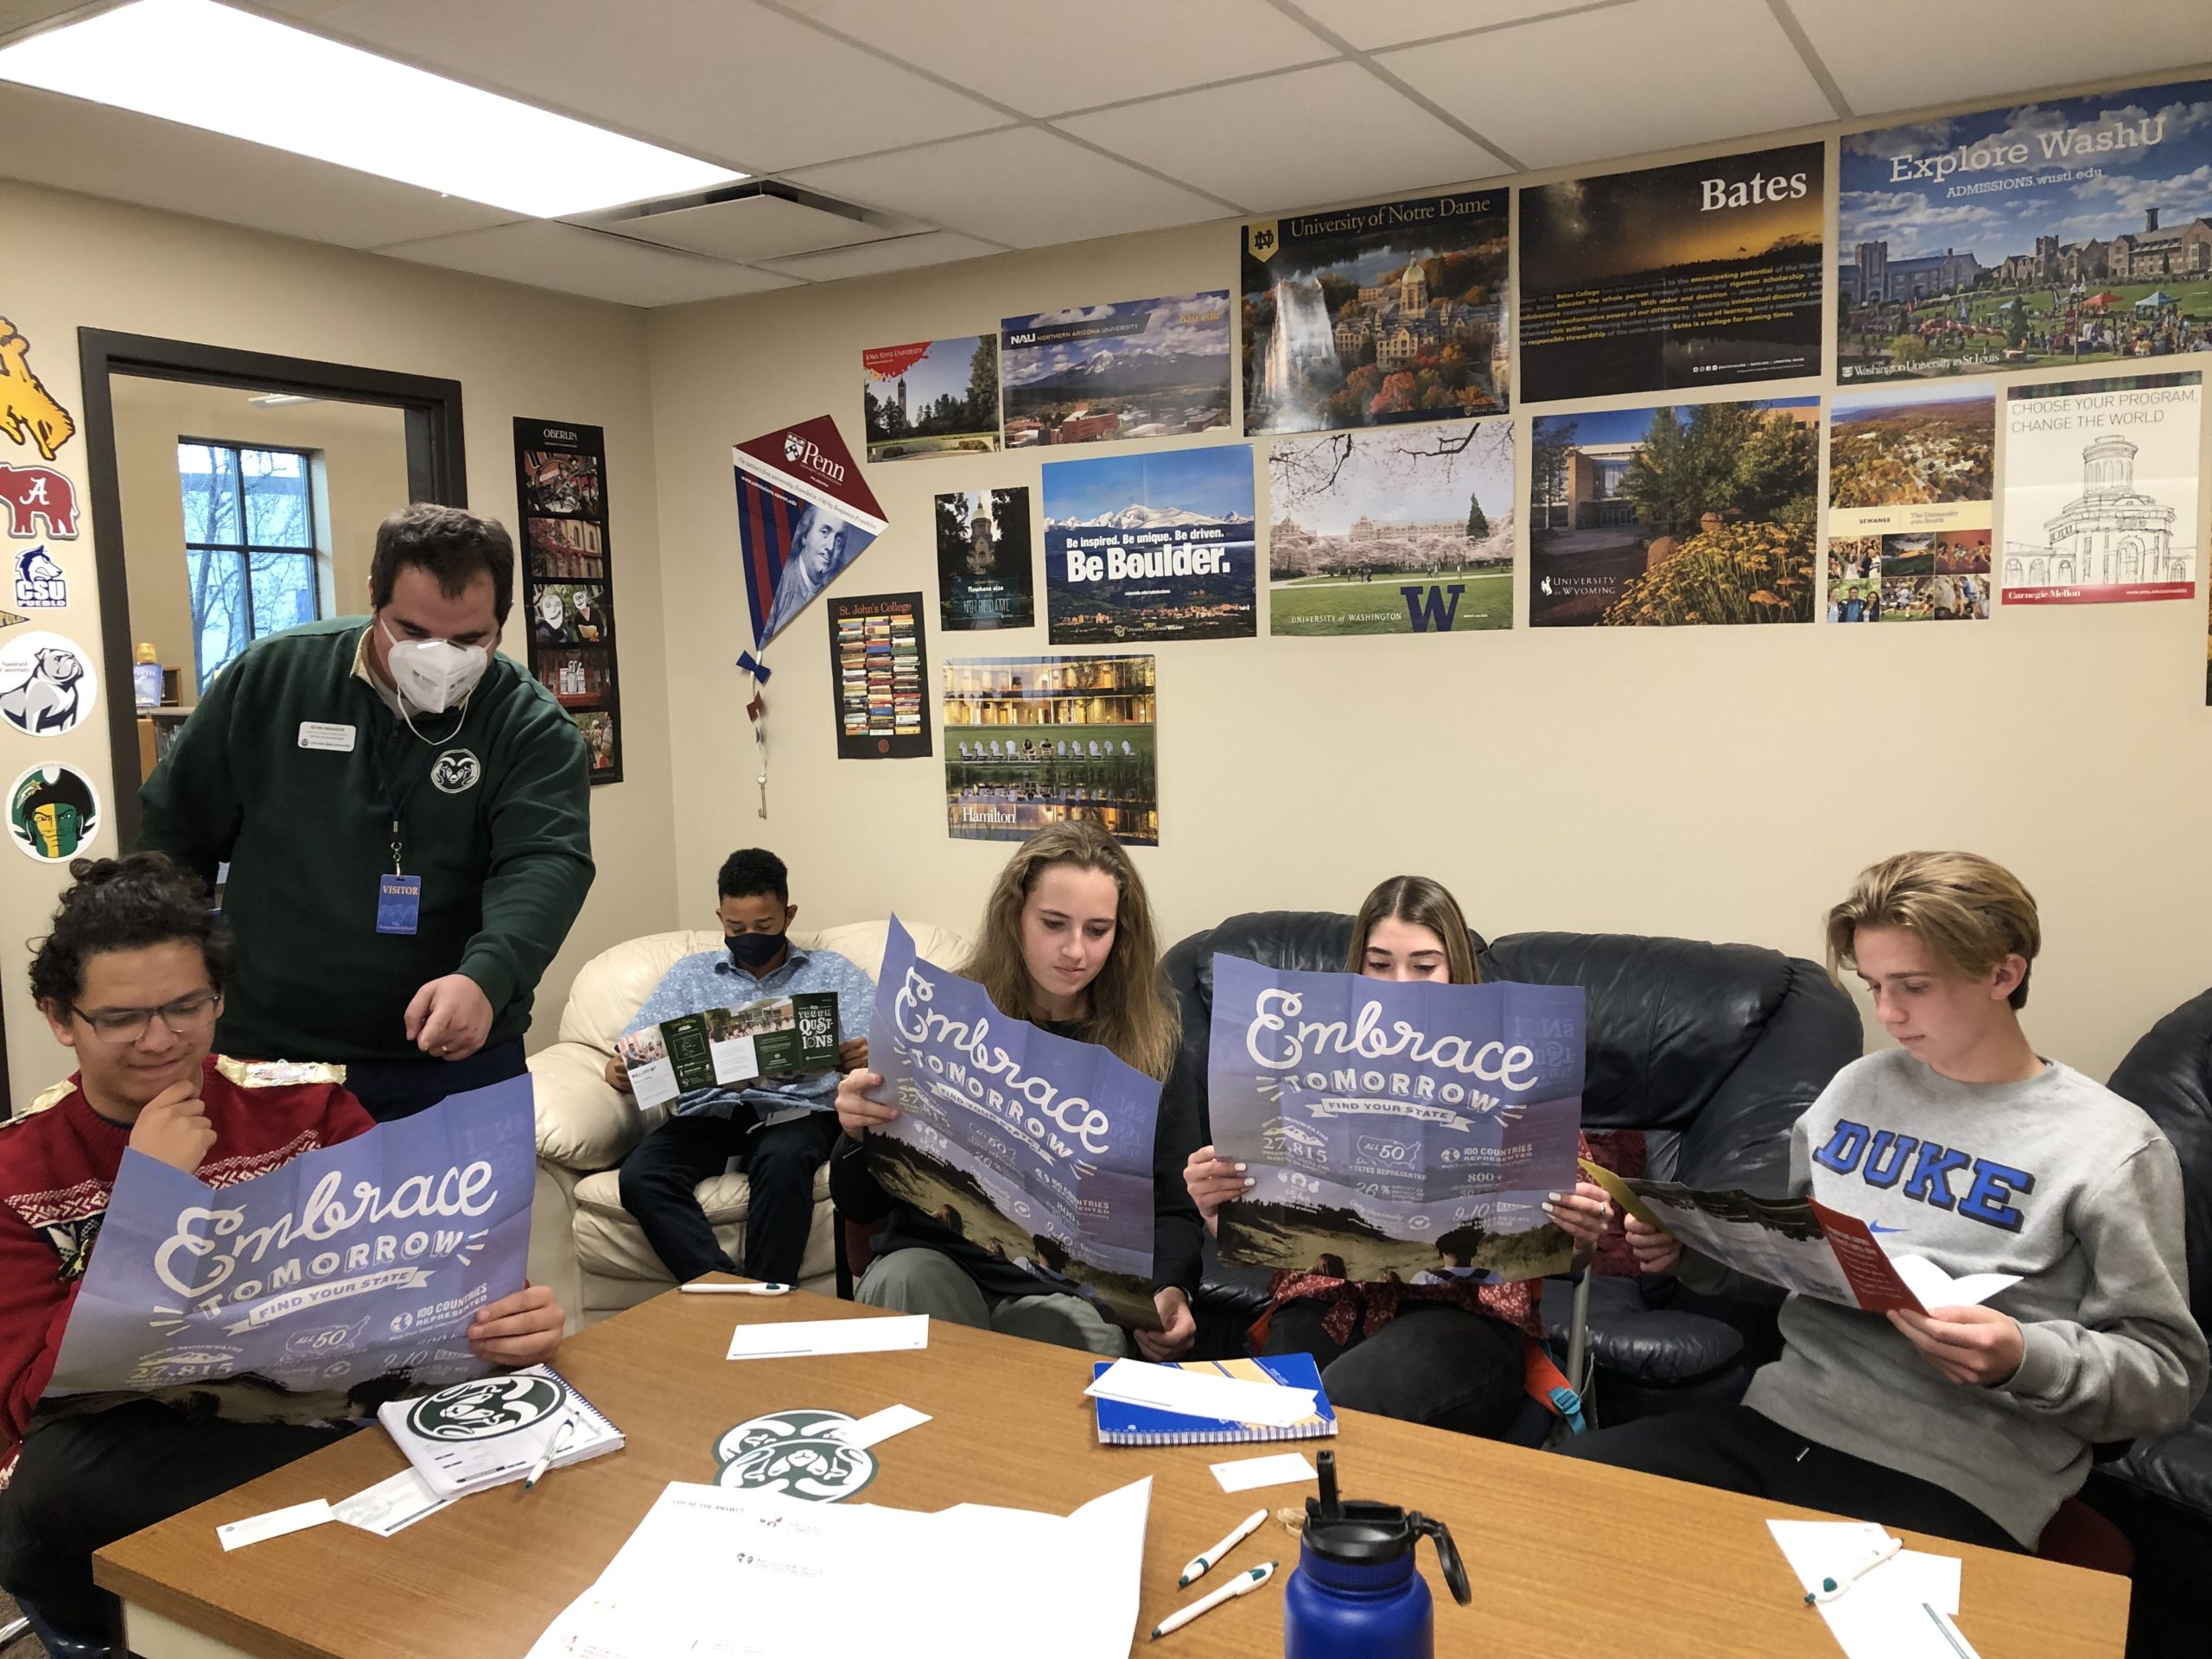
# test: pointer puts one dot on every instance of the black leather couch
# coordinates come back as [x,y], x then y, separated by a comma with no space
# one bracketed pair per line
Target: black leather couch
[1713,1050]
[2160,1493]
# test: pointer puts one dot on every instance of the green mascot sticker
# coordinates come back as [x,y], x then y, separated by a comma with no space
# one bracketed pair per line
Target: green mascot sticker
[794,1452]
[487,1407]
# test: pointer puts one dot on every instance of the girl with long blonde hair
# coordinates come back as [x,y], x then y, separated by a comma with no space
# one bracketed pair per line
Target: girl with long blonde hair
[1442,1350]
[1067,943]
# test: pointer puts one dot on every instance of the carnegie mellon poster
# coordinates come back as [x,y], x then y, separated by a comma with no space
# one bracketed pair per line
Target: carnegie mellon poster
[1705,274]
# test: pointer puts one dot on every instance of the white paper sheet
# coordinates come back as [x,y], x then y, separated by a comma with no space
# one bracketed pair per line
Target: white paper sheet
[1936,1288]
[880,1425]
[792,1338]
[1881,1616]
[390,1506]
[1280,1469]
[1200,1394]
[237,1534]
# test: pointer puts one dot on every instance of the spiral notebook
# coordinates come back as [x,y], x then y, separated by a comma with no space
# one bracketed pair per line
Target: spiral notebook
[1121,1423]
[493,1429]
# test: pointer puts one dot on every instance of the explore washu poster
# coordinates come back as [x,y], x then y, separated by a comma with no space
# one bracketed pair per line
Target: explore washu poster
[1411,1129]
[356,1267]
[1035,1148]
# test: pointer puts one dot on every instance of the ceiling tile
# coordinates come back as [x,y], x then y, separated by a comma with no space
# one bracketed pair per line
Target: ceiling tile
[874,258]
[720,78]
[1369,24]
[545,253]
[113,153]
[750,227]
[1025,187]
[1606,85]
[1046,56]
[1334,133]
[2042,43]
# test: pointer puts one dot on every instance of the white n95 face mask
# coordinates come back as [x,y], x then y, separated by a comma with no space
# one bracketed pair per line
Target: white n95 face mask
[435,674]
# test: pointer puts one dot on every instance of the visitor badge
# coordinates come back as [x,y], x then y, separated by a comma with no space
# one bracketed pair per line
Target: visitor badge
[323,734]
[399,903]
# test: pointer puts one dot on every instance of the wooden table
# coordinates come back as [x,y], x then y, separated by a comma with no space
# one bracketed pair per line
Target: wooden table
[1566,1556]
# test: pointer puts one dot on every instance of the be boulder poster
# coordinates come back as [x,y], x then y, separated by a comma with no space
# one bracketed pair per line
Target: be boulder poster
[1413,1129]
[1704,274]
[353,1267]
[1035,1148]
[2100,490]
[1158,546]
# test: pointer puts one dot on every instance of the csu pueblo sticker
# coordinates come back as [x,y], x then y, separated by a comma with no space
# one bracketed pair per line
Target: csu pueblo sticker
[40,585]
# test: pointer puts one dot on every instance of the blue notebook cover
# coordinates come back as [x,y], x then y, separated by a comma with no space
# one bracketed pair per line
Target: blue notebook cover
[1122,1424]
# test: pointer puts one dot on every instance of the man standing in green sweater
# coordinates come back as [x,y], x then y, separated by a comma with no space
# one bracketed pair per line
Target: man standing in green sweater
[407,821]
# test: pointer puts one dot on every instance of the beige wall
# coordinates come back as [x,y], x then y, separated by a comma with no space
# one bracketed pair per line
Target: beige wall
[361,450]
[516,352]
[1722,783]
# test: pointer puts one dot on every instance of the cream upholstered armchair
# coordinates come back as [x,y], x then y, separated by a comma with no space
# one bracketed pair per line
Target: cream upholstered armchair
[583,1242]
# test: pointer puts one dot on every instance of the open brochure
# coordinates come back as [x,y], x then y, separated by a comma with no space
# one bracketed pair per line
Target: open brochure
[1801,1244]
[778,1036]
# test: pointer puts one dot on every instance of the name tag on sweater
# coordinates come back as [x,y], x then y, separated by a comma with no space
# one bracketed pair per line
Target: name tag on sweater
[321,734]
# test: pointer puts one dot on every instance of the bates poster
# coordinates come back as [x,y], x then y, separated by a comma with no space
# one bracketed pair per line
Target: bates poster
[1705,274]
[2064,231]
[931,398]
[2101,498]
[985,577]
[1392,533]
[1136,369]
[1674,515]
[1377,315]
[1032,740]
[1411,1129]
[1154,546]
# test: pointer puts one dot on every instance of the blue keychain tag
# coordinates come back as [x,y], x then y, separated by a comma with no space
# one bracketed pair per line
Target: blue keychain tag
[399,903]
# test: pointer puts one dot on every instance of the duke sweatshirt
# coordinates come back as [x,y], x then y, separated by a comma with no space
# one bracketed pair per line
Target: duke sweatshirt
[2056,1180]
[287,770]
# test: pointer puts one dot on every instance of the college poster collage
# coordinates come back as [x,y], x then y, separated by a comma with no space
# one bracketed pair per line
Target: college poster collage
[2015,418]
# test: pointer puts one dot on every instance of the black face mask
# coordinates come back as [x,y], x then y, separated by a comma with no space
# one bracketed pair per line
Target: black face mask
[753,951]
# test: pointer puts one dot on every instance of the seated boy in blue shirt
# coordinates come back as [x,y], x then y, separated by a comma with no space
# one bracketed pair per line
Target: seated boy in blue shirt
[778,1129]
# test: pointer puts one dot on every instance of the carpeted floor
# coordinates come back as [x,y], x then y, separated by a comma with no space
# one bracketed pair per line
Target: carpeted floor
[25,1646]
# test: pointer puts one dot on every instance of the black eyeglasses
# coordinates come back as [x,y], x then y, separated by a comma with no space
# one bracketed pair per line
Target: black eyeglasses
[186,1017]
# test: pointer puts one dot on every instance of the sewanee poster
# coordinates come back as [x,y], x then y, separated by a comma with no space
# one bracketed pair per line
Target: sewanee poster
[1704,274]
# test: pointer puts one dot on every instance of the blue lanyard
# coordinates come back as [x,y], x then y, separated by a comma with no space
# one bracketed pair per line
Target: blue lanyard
[398,803]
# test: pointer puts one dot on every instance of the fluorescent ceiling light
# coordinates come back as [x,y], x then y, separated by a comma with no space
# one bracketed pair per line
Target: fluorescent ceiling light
[231,71]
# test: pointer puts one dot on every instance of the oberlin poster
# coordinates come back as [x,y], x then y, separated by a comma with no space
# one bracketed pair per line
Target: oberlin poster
[1911,475]
[1674,515]
[2101,500]
[882,677]
[1032,740]
[1154,546]
[1377,315]
[804,513]
[2062,231]
[985,577]
[1037,1149]
[354,1267]
[930,398]
[1392,533]
[1702,274]
[1412,1129]
[1134,369]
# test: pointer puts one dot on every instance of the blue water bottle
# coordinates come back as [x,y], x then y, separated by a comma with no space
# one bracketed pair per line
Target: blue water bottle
[1355,1594]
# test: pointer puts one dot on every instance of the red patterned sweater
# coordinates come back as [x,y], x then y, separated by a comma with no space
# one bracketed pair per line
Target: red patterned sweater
[58,1164]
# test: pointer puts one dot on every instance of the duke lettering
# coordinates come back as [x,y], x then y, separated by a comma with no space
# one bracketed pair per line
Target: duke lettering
[1881,1157]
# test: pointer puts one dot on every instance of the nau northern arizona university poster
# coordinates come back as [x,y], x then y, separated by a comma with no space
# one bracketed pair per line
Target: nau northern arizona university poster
[356,1267]
[1037,1149]
[1413,1129]
[804,513]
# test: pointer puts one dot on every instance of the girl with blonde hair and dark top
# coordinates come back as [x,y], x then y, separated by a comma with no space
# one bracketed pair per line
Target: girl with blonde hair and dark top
[1441,1350]
[1067,944]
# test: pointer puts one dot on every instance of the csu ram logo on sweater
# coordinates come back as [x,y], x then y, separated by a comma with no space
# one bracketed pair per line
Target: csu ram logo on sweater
[456,771]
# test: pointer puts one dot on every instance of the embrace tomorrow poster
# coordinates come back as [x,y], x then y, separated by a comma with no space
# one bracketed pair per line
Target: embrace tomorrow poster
[1412,1128]
[1035,1148]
